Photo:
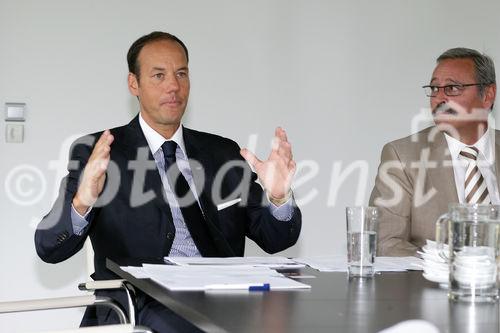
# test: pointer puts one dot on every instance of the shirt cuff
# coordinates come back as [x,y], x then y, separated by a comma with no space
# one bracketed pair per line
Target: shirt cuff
[78,221]
[283,212]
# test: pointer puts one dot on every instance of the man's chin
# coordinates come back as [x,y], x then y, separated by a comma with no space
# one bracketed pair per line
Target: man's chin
[172,115]
[456,118]
[452,120]
[453,125]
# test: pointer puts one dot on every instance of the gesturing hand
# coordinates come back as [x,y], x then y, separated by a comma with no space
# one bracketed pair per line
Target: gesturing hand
[94,174]
[275,173]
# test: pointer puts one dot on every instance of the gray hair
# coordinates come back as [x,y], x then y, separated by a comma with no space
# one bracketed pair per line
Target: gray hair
[483,64]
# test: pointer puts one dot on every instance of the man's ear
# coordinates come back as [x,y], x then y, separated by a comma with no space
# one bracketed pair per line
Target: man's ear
[133,84]
[489,96]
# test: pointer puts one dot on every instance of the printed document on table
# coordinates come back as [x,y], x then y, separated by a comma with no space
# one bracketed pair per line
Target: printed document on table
[382,264]
[137,272]
[207,277]
[393,264]
[271,262]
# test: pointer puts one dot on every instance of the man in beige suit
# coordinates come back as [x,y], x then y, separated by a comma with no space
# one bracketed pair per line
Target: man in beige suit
[453,161]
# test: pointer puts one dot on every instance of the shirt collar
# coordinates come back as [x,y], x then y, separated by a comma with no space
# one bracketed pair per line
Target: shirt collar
[483,145]
[155,140]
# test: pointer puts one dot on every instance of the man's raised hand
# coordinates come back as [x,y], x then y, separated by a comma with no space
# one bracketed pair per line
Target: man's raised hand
[275,173]
[94,174]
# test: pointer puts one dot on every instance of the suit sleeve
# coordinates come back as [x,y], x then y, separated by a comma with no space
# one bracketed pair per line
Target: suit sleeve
[270,233]
[55,239]
[393,194]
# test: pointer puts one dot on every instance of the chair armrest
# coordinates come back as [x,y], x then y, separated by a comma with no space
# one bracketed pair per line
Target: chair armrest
[47,303]
[126,328]
[62,303]
[101,284]
[114,284]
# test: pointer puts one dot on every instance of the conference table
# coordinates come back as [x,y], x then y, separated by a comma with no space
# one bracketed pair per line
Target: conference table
[335,303]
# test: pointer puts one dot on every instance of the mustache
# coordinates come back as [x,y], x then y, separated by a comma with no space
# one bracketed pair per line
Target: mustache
[443,107]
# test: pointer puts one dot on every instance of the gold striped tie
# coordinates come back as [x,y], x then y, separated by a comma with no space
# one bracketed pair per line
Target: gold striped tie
[475,187]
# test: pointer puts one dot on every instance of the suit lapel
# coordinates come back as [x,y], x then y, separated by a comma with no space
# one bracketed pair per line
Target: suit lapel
[203,171]
[441,175]
[203,168]
[135,143]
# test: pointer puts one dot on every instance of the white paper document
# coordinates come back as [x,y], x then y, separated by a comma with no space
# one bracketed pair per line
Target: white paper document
[325,263]
[382,264]
[271,262]
[137,272]
[207,277]
[393,264]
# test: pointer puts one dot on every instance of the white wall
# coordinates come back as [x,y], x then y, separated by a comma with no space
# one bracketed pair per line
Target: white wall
[342,77]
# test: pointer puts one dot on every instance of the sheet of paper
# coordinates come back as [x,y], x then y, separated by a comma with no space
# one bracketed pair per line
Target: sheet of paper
[137,272]
[382,264]
[220,277]
[391,264]
[272,262]
[325,263]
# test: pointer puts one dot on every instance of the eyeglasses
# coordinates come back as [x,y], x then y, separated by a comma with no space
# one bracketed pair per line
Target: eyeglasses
[449,90]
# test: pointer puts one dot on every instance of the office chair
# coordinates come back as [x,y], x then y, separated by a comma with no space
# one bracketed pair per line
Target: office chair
[83,301]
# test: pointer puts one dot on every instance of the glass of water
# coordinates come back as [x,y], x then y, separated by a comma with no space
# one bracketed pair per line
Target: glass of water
[362,223]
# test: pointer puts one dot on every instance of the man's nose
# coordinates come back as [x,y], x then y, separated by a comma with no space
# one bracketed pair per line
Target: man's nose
[440,97]
[171,84]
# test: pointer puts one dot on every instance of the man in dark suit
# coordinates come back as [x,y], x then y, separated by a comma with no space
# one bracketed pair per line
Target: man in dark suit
[154,188]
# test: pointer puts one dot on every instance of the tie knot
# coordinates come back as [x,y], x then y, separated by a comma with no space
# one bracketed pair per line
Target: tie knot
[470,153]
[169,148]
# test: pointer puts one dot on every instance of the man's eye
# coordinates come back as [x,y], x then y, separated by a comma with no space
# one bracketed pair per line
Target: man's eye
[454,88]
[159,76]
[182,74]
[434,89]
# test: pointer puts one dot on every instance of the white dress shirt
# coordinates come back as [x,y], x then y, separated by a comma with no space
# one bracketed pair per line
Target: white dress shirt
[485,163]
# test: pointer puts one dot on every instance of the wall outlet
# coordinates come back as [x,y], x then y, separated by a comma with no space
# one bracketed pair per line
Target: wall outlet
[14,133]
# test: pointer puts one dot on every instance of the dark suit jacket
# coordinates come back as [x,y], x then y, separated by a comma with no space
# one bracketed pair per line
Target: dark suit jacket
[121,226]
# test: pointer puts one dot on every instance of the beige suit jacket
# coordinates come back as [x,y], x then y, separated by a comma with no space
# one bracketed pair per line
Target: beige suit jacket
[414,186]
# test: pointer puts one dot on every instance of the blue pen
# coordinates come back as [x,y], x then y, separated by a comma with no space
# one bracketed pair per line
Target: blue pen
[264,287]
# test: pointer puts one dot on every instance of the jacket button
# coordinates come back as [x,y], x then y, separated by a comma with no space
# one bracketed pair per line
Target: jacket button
[170,235]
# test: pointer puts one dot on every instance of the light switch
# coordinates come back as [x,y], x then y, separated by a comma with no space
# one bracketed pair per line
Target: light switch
[14,111]
[14,133]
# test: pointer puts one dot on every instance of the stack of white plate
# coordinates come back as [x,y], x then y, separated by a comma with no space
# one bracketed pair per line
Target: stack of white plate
[476,266]
[435,263]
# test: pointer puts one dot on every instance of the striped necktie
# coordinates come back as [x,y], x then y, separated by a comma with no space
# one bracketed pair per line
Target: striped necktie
[476,191]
